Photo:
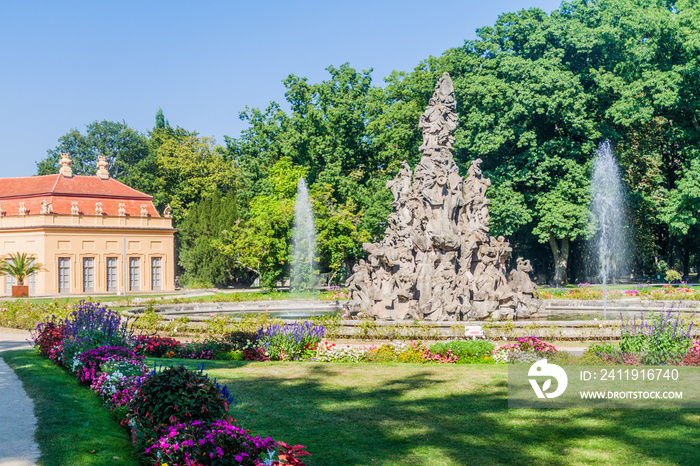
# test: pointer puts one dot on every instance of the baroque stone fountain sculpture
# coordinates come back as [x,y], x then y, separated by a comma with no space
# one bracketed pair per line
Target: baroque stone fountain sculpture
[437,261]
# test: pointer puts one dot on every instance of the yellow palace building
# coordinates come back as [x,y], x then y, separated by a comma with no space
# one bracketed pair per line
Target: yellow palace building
[93,234]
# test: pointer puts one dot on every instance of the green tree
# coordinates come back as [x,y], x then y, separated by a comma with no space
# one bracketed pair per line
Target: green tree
[680,210]
[182,169]
[199,234]
[337,234]
[528,118]
[334,132]
[123,147]
[261,243]
[161,122]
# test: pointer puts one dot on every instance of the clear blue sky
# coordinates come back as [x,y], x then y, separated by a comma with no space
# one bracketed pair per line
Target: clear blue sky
[64,64]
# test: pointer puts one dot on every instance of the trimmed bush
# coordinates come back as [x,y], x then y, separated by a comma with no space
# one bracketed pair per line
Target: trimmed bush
[468,351]
[178,395]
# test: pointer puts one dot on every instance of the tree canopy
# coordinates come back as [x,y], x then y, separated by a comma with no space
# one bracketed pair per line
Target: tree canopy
[536,94]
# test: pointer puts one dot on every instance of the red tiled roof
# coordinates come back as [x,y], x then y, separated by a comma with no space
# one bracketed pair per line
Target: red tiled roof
[62,191]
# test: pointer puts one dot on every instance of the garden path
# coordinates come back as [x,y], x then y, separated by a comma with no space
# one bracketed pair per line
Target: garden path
[17,421]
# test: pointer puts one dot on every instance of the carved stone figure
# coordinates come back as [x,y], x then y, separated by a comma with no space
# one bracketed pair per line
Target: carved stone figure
[74,210]
[22,209]
[526,295]
[65,169]
[122,209]
[98,208]
[144,210]
[46,207]
[168,212]
[401,185]
[102,172]
[436,260]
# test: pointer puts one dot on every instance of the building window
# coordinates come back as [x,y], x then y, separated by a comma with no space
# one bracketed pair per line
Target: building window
[10,281]
[134,274]
[64,275]
[112,274]
[156,277]
[88,274]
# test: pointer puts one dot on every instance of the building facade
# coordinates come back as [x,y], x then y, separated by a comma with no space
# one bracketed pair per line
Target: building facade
[93,234]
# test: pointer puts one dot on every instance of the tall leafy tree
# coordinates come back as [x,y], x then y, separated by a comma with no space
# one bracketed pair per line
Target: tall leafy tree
[527,116]
[200,232]
[183,168]
[123,147]
[161,122]
[261,243]
[335,132]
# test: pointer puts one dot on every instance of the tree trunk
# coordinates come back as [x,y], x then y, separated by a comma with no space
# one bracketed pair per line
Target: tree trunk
[560,251]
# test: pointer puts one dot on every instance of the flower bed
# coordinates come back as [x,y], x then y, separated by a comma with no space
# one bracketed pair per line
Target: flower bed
[527,349]
[175,416]
[585,291]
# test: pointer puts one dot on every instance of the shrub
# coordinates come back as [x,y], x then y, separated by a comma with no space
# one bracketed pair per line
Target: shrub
[240,340]
[289,341]
[219,443]
[692,358]
[673,276]
[175,395]
[468,351]
[233,355]
[217,324]
[196,350]
[527,349]
[255,354]
[382,353]
[254,321]
[413,353]
[331,324]
[48,335]
[148,320]
[25,314]
[330,352]
[155,346]
[661,337]
[602,347]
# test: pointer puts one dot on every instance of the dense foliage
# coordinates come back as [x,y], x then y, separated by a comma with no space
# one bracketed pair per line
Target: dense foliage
[536,92]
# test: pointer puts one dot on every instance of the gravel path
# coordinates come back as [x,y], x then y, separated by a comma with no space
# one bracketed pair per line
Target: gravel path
[17,421]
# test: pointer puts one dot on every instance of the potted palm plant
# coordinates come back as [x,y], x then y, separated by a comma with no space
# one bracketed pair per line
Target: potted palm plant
[20,266]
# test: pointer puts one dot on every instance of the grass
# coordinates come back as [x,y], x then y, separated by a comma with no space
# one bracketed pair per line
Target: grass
[72,426]
[415,414]
[372,414]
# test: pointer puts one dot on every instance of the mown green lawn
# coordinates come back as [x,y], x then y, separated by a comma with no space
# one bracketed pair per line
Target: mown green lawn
[373,414]
[417,414]
[73,429]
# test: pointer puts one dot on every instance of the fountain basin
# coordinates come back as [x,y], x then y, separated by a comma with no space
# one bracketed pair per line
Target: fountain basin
[283,309]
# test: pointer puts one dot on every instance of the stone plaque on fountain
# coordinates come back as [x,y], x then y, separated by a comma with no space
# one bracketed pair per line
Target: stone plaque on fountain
[437,260]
